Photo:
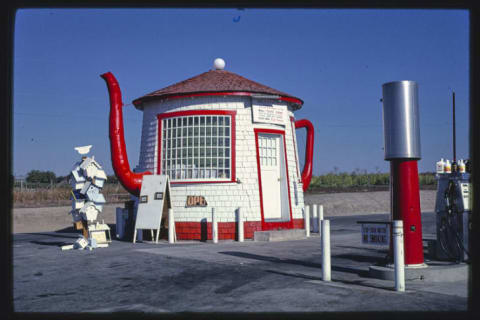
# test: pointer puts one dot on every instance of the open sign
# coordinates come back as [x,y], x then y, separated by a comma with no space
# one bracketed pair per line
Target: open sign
[196,201]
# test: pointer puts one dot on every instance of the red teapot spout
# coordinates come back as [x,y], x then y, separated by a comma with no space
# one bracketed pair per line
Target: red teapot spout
[131,181]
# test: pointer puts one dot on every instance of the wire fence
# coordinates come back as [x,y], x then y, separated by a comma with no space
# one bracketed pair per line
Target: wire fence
[32,186]
[26,194]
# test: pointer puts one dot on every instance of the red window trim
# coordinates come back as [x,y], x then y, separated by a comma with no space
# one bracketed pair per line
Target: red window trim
[273,225]
[202,112]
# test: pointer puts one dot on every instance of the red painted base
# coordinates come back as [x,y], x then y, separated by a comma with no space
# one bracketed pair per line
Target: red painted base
[405,206]
[226,230]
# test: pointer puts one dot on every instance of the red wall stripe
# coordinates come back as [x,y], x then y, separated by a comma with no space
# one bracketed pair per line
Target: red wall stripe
[226,230]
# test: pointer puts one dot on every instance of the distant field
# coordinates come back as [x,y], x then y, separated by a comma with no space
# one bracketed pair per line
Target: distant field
[30,195]
[27,197]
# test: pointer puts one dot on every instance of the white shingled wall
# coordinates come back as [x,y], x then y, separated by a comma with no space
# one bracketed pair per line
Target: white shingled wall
[225,197]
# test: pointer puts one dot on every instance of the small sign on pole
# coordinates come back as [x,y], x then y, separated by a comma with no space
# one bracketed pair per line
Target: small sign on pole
[375,233]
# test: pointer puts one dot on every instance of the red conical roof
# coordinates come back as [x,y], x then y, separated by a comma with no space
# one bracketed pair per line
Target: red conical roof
[216,82]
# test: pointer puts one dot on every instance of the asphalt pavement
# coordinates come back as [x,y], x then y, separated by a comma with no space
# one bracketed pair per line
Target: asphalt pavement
[224,277]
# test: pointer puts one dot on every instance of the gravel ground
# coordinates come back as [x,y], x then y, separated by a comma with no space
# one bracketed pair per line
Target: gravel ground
[342,204]
[230,276]
[335,204]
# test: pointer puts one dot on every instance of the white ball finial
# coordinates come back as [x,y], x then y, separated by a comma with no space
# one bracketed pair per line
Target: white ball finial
[219,64]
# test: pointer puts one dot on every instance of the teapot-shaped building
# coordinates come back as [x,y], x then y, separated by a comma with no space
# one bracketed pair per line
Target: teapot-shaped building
[225,142]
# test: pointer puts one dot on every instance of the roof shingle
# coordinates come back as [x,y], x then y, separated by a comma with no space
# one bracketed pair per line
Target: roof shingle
[214,81]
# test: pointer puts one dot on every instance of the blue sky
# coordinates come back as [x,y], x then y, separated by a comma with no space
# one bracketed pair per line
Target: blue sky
[334,60]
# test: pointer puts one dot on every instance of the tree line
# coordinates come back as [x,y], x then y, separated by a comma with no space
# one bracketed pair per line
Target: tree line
[363,179]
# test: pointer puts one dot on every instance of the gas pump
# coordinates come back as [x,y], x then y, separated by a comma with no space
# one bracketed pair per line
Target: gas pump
[452,208]
[453,214]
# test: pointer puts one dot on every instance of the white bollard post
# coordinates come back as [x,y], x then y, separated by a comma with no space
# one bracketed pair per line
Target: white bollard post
[171,227]
[398,255]
[214,227]
[326,266]
[314,214]
[320,218]
[240,226]
[307,220]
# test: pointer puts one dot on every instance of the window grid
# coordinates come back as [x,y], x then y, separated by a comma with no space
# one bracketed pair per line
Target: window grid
[197,147]
[268,150]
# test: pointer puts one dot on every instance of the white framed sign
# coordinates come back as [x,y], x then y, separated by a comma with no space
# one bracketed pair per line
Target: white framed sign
[154,202]
[273,114]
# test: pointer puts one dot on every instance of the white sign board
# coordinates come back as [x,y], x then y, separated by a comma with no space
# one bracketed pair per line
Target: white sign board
[466,191]
[376,234]
[154,197]
[273,114]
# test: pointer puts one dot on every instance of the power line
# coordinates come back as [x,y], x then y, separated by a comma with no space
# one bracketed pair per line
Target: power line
[50,115]
[55,115]
[130,120]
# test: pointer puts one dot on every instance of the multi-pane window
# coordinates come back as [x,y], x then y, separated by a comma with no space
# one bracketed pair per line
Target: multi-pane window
[197,147]
[267,147]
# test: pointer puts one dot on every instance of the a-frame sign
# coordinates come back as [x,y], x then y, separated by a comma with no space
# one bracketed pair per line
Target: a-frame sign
[153,204]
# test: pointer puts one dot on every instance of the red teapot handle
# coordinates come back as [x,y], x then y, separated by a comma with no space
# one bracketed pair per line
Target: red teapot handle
[308,167]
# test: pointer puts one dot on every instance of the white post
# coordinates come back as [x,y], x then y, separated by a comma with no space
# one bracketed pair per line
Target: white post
[240,226]
[326,267]
[307,220]
[398,255]
[214,227]
[314,214]
[171,227]
[320,218]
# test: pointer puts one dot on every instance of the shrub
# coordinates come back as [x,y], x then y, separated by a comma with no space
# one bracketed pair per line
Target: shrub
[36,176]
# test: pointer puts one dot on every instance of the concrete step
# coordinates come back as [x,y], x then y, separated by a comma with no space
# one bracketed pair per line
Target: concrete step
[279,235]
[433,271]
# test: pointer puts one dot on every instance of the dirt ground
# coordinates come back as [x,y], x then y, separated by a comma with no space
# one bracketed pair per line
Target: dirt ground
[27,220]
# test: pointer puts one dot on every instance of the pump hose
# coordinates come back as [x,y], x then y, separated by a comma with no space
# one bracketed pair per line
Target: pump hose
[443,237]
[454,230]
[452,212]
[458,240]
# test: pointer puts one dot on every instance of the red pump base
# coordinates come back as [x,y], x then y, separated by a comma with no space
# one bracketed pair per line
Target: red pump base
[405,206]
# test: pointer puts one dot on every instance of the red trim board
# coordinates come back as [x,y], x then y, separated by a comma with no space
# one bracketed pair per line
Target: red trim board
[273,225]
